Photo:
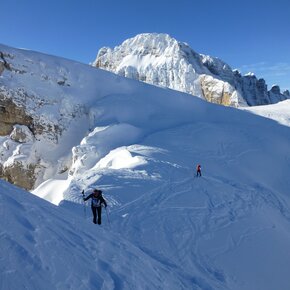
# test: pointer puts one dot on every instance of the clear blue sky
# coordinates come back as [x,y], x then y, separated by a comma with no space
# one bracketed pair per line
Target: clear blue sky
[251,35]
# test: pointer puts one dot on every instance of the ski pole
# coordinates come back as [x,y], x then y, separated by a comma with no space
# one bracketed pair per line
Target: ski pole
[108,217]
[85,212]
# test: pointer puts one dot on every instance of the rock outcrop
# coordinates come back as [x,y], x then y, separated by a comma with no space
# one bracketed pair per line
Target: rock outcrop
[11,114]
[286,93]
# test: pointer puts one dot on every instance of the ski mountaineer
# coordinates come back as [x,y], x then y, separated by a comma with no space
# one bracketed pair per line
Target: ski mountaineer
[198,170]
[96,205]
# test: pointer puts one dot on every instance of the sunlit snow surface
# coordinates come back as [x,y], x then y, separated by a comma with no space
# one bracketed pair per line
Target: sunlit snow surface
[279,112]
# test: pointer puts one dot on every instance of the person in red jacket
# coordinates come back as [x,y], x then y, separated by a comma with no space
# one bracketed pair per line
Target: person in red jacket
[198,170]
[96,205]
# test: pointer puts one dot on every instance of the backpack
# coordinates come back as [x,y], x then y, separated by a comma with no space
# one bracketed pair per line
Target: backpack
[96,201]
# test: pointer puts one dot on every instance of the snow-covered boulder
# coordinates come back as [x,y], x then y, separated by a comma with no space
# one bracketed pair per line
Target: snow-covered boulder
[21,134]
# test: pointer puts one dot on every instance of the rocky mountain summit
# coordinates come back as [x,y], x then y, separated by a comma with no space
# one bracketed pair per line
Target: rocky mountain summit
[161,60]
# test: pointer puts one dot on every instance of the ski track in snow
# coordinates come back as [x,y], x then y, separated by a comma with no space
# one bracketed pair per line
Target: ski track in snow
[206,207]
[48,248]
[216,211]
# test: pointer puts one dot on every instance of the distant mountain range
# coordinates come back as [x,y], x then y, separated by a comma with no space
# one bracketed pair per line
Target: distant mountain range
[161,60]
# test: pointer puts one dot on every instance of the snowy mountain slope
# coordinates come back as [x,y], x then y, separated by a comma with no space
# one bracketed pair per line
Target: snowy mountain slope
[226,230]
[45,247]
[161,60]
[140,145]
[49,104]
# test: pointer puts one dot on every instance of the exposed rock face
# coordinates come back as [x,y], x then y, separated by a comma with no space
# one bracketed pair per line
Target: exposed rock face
[15,172]
[15,122]
[216,91]
[31,120]
[160,60]
[275,95]
[286,94]
[255,90]
[11,114]
[3,63]
[2,67]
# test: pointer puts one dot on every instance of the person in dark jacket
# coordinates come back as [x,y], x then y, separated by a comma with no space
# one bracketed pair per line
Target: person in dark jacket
[198,170]
[96,205]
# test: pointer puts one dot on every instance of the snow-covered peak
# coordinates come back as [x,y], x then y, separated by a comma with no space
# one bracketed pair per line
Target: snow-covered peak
[152,42]
[161,60]
[144,44]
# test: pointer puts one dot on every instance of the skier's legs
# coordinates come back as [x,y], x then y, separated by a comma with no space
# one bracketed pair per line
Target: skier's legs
[99,209]
[94,210]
